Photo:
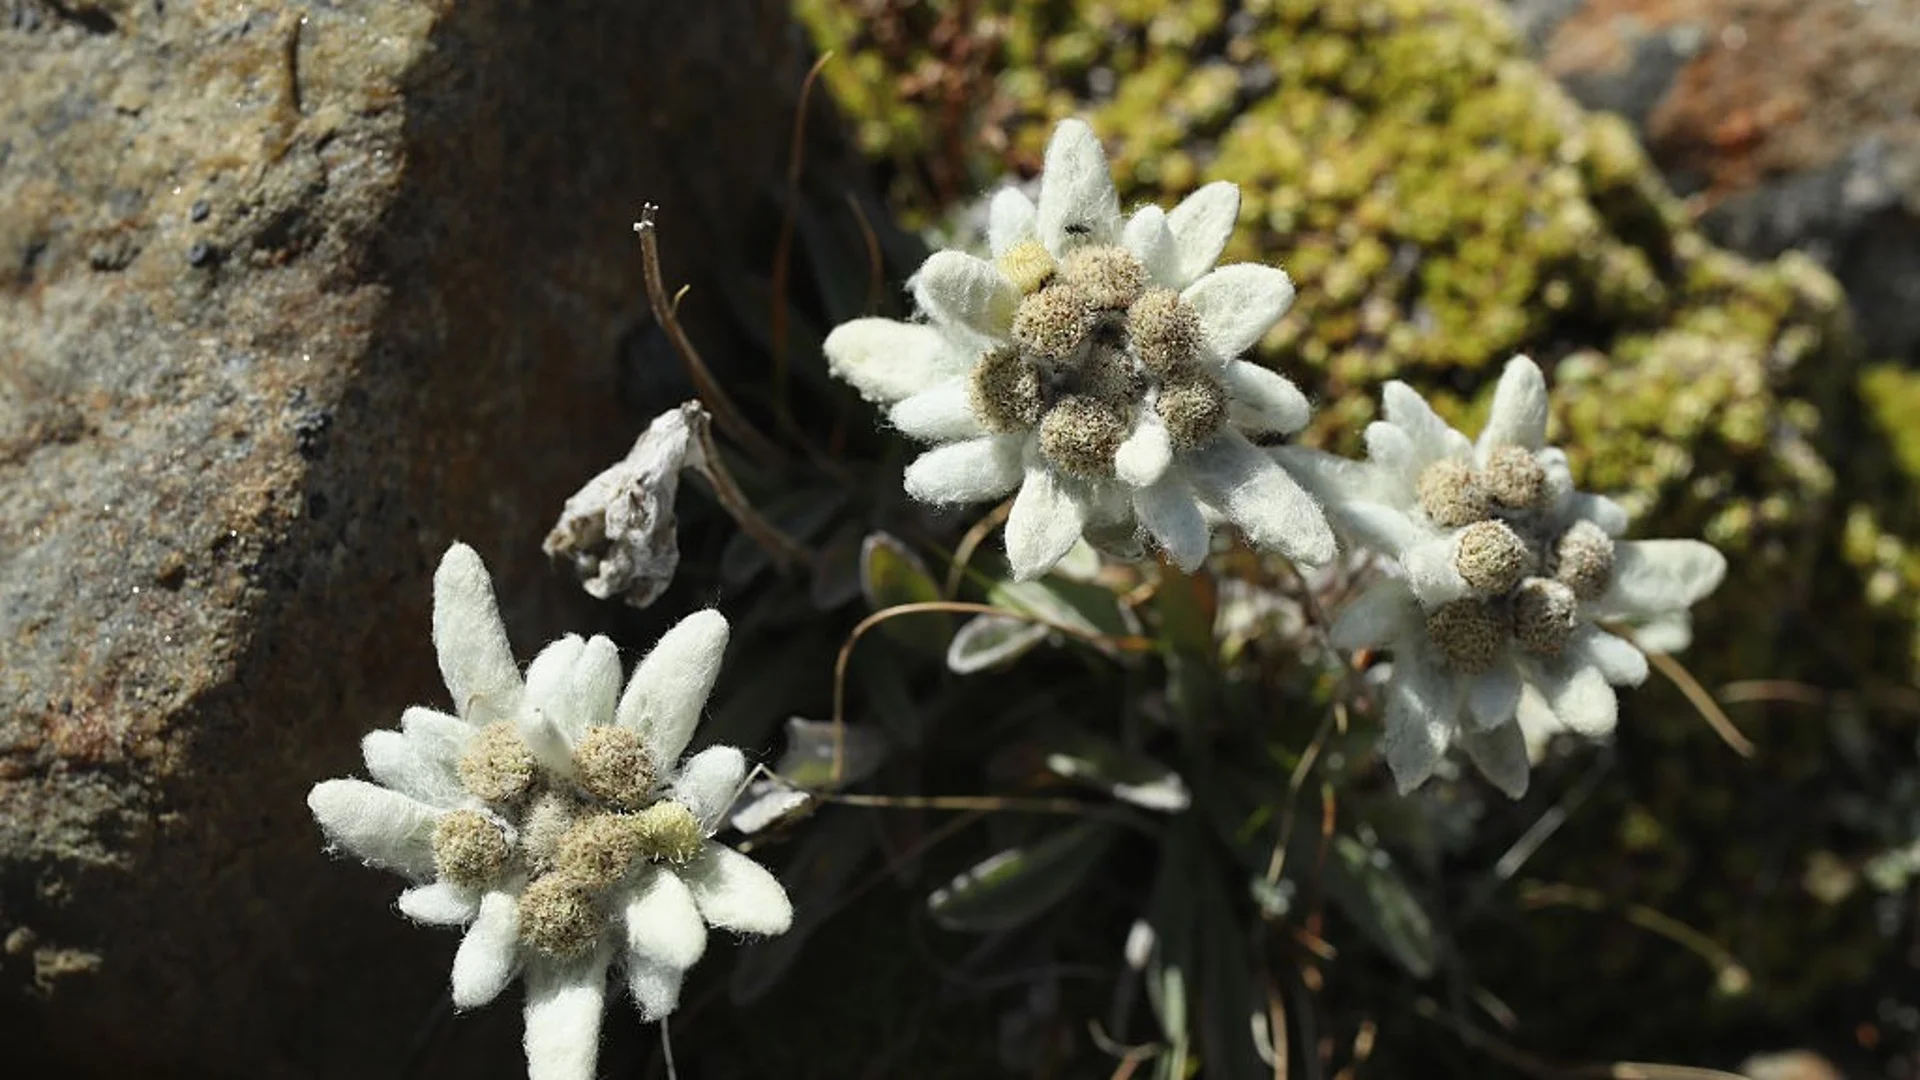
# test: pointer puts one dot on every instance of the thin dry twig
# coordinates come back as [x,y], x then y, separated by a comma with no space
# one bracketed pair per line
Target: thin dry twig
[1277,1030]
[969,543]
[876,266]
[1791,692]
[983,803]
[1290,812]
[783,549]
[1130,1056]
[1730,972]
[783,247]
[1131,643]
[1702,700]
[725,412]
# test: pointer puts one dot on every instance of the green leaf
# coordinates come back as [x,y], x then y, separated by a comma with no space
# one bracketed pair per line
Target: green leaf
[1088,607]
[1363,882]
[1227,998]
[1020,883]
[813,744]
[837,569]
[1125,774]
[892,575]
[1171,916]
[987,641]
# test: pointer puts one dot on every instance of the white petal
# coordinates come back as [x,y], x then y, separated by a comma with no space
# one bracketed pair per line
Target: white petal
[1651,577]
[1500,753]
[942,413]
[1201,225]
[546,710]
[709,782]
[1618,661]
[663,925]
[1078,204]
[1383,614]
[1330,478]
[1430,568]
[1602,511]
[957,289]
[440,904]
[435,736]
[1536,722]
[1519,413]
[1389,447]
[384,828]
[1010,218]
[735,893]
[1255,493]
[564,1004]
[1172,517]
[1143,458]
[1535,716]
[594,689]
[1350,492]
[655,988]
[1147,236]
[1419,721]
[1668,633]
[1380,528]
[1559,481]
[1263,401]
[1581,700]
[394,762]
[965,472]
[1237,304]
[1493,696]
[489,954]
[1431,439]
[1046,521]
[475,659]
[886,360]
[670,687]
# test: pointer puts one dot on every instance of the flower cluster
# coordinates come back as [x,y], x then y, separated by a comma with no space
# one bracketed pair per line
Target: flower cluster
[1504,572]
[553,818]
[1094,366]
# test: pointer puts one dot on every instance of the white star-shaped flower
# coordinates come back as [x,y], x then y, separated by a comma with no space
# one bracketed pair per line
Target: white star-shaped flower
[1502,571]
[554,819]
[1094,365]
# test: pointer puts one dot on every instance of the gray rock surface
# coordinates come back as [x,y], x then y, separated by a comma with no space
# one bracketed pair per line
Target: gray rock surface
[290,296]
[1792,124]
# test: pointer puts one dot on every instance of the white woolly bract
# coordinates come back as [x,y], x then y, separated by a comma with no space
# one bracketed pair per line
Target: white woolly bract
[1558,683]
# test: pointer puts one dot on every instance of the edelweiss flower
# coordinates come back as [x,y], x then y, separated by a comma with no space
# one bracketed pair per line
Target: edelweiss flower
[1504,571]
[1094,366]
[552,817]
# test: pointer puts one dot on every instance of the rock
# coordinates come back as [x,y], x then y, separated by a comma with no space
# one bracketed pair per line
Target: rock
[290,296]
[1792,125]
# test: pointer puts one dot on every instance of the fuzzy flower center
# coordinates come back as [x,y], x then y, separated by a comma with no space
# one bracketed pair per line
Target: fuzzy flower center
[574,837]
[1096,350]
[1527,578]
